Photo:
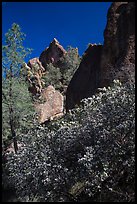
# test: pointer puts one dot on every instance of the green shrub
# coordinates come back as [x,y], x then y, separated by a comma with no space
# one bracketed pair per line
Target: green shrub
[86,156]
[59,75]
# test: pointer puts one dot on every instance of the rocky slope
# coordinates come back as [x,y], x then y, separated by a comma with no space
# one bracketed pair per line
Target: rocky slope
[115,59]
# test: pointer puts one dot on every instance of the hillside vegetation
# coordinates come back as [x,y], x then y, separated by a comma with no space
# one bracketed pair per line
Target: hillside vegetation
[86,156]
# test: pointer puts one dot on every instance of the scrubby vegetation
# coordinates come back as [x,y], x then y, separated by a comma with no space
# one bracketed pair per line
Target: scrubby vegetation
[59,75]
[88,155]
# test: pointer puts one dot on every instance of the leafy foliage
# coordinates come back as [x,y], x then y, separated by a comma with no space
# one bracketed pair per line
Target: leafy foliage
[86,156]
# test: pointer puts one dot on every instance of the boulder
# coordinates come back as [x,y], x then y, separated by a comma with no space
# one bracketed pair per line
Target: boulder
[52,54]
[52,107]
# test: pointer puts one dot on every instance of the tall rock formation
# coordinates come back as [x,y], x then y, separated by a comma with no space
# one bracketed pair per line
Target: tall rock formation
[118,56]
[53,104]
[36,67]
[52,54]
[86,79]
[114,60]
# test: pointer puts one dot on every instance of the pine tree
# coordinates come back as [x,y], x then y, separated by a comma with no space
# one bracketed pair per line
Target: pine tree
[16,101]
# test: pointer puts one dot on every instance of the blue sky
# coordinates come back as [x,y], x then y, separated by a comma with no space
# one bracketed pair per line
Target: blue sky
[73,23]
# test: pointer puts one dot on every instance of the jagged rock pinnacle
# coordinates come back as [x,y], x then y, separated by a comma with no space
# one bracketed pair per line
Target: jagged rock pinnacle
[52,54]
[55,40]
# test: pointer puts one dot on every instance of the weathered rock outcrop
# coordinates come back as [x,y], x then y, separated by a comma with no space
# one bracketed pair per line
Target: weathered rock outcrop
[34,73]
[86,79]
[52,107]
[118,55]
[52,54]
[53,104]
[36,65]
[114,60]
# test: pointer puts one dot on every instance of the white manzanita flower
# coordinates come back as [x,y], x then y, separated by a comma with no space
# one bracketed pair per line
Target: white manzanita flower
[47,157]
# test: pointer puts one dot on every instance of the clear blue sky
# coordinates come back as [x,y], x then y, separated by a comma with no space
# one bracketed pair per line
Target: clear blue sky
[73,23]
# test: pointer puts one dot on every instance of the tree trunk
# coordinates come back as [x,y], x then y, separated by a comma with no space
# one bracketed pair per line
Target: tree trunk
[13,133]
[11,112]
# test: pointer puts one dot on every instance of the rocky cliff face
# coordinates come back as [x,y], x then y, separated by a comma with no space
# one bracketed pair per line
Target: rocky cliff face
[52,54]
[119,43]
[114,60]
[86,79]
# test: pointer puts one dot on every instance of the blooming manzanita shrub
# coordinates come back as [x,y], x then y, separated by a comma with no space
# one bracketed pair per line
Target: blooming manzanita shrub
[88,154]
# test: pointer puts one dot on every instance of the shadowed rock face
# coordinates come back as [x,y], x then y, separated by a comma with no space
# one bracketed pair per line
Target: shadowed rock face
[52,54]
[86,79]
[114,60]
[119,42]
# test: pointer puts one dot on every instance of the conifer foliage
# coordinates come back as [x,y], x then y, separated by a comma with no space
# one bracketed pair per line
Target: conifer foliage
[16,101]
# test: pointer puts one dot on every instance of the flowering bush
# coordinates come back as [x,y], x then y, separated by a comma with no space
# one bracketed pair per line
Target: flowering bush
[86,156]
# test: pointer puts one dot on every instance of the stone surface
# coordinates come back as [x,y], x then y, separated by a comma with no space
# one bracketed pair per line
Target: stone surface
[52,54]
[86,79]
[35,64]
[35,71]
[52,107]
[119,43]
